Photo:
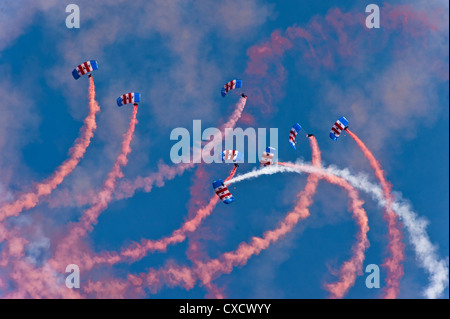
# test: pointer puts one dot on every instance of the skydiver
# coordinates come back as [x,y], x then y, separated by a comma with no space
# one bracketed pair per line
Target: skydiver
[236,165]
[310,135]
[89,75]
[243,95]
[135,104]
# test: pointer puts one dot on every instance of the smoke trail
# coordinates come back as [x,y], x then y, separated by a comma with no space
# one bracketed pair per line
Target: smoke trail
[31,199]
[393,263]
[165,172]
[89,217]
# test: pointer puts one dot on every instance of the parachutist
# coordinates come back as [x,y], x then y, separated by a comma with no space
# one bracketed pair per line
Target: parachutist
[243,95]
[293,134]
[234,84]
[310,135]
[267,156]
[89,75]
[85,68]
[236,165]
[222,191]
[132,97]
[339,126]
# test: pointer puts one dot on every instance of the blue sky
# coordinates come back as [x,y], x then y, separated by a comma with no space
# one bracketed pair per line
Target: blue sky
[178,55]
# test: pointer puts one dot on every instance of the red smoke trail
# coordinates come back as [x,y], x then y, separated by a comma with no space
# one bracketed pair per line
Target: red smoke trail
[3,233]
[395,246]
[30,281]
[31,199]
[353,267]
[89,217]
[138,251]
[194,252]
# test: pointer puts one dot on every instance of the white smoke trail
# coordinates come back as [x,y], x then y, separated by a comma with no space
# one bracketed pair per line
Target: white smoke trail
[426,252]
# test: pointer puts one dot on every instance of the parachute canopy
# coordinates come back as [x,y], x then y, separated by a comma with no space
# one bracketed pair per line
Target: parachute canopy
[84,68]
[234,84]
[232,156]
[267,156]
[129,98]
[222,191]
[338,127]
[294,131]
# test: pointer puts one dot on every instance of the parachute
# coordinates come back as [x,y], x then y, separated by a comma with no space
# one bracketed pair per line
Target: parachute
[232,156]
[234,84]
[129,98]
[267,156]
[338,127]
[84,68]
[294,131]
[222,191]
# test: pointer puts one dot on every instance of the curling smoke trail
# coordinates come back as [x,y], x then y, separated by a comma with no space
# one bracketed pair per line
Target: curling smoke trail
[426,252]
[90,216]
[31,199]
[353,267]
[173,275]
[393,263]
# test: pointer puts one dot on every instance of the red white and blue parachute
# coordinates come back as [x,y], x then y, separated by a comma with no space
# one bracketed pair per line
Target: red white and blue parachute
[84,68]
[234,84]
[232,156]
[292,135]
[222,191]
[128,98]
[338,127]
[267,156]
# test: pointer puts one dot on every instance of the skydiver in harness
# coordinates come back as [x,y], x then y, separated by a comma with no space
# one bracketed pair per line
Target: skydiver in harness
[243,95]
